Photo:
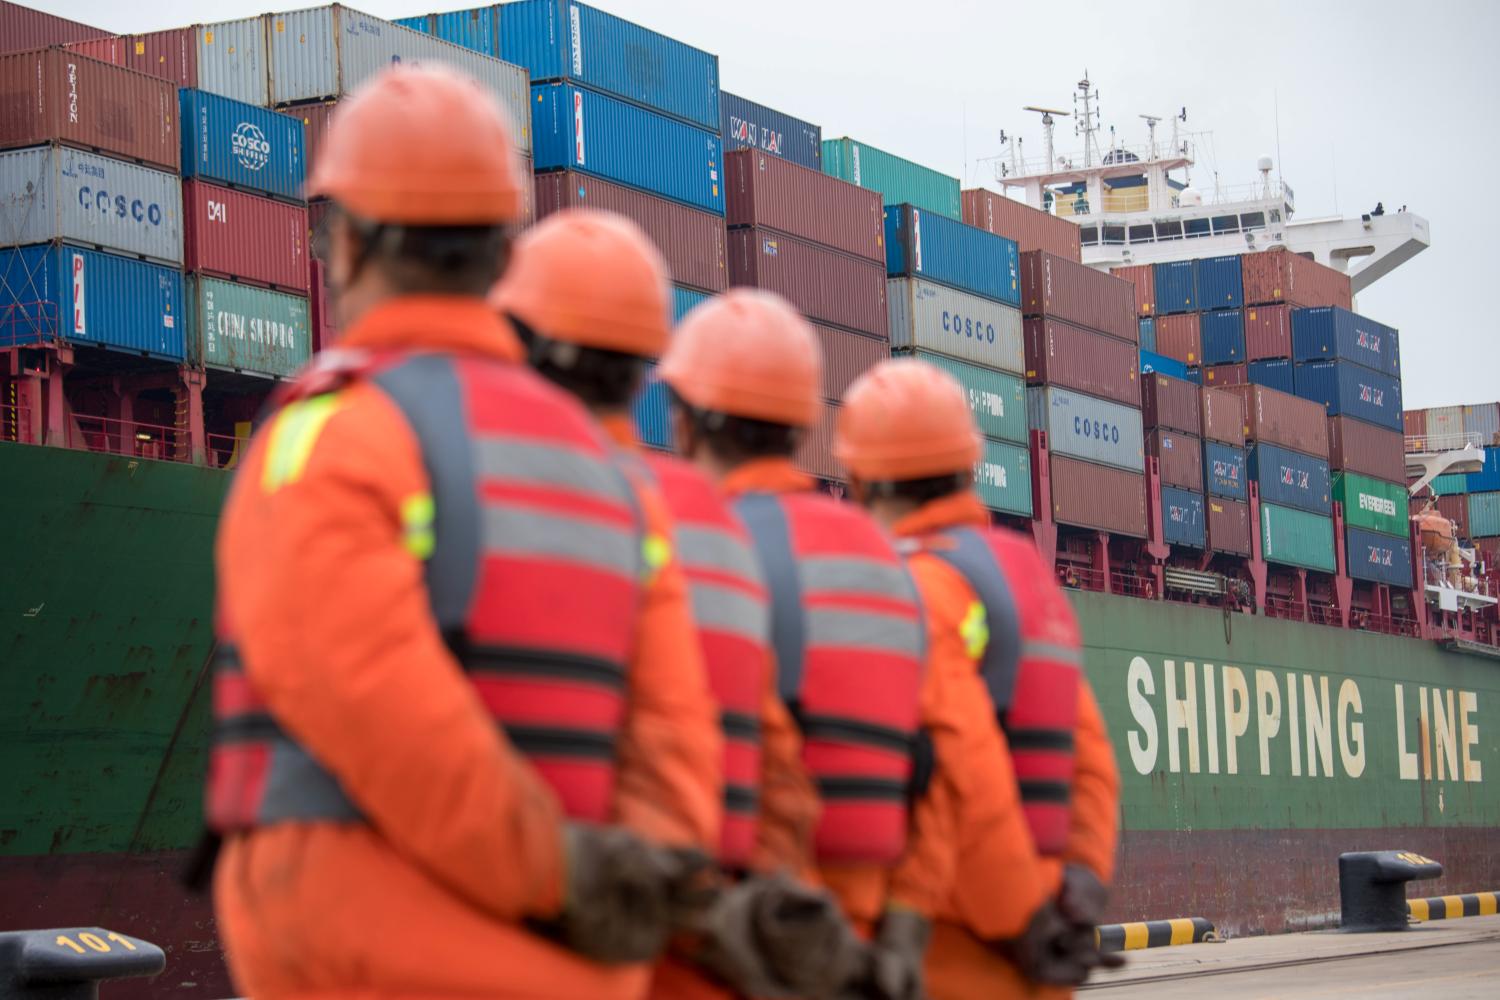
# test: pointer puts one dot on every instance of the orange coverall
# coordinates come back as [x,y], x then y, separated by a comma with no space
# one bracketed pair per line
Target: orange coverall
[463,840]
[984,904]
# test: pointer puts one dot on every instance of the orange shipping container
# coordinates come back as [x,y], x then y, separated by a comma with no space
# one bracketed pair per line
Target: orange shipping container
[1278,275]
[1179,337]
[1031,228]
[1143,277]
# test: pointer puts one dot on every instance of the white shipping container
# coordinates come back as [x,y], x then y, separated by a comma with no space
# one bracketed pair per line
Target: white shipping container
[931,317]
[1095,430]
[1445,427]
[232,60]
[1482,423]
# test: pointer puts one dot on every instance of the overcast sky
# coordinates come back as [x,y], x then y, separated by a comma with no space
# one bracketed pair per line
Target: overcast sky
[1379,101]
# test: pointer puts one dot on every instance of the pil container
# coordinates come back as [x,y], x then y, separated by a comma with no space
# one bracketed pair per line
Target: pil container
[23,28]
[1291,479]
[744,124]
[846,356]
[1356,446]
[927,316]
[1142,278]
[1223,417]
[1278,418]
[1178,337]
[1031,228]
[578,129]
[1378,558]
[565,40]
[1146,328]
[1085,495]
[1275,373]
[1484,515]
[1487,479]
[1003,478]
[1331,334]
[828,286]
[1228,526]
[242,146]
[1292,537]
[1160,364]
[1218,283]
[684,299]
[924,244]
[1171,403]
[477,28]
[1224,471]
[651,412]
[1057,288]
[1094,430]
[246,329]
[1215,376]
[1278,275]
[228,58]
[54,293]
[1372,504]
[244,237]
[1182,517]
[1223,334]
[1268,332]
[1059,353]
[898,181]
[996,399]
[767,191]
[1176,287]
[1351,390]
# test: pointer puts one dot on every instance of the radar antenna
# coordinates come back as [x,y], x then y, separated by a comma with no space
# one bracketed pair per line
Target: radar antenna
[1151,121]
[1047,126]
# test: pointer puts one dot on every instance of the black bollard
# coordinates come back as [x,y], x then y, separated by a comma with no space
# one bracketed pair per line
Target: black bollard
[68,963]
[1372,888]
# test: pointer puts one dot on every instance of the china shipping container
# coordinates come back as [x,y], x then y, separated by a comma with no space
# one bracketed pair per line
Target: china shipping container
[1291,479]
[690,239]
[57,96]
[476,28]
[247,329]
[1147,331]
[242,146]
[1176,287]
[1356,446]
[1031,228]
[1094,430]
[1003,477]
[1177,337]
[1160,364]
[1142,278]
[1179,456]
[1351,390]
[54,292]
[1268,332]
[1279,418]
[1274,373]
[1218,283]
[1487,479]
[684,300]
[1182,517]
[565,40]
[1484,515]
[57,193]
[776,194]
[1455,507]
[744,124]
[1228,524]
[1222,334]
[1220,375]
[1278,275]
[847,356]
[1085,495]
[1328,334]
[815,455]
[22,28]
[1223,417]
[828,286]
[898,181]
[996,399]
[577,129]
[1059,353]
[1058,288]
[1293,537]
[1171,403]
[227,58]
[1371,503]
[652,412]
[928,316]
[1482,422]
[1445,427]
[231,234]
[1378,558]
[923,244]
[1225,472]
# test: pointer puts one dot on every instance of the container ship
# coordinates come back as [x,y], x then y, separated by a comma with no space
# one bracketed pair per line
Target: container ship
[1285,582]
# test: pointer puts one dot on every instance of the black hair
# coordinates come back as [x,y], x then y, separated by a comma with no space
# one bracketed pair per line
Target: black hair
[456,260]
[739,439]
[600,378]
[921,491]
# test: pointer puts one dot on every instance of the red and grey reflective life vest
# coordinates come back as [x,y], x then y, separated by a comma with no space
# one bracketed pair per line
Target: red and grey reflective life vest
[535,577]
[846,626]
[1030,665]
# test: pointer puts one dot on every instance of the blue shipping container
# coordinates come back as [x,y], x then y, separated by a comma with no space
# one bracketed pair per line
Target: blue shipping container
[1291,479]
[1148,333]
[1224,473]
[476,28]
[1351,390]
[1194,375]
[558,40]
[1274,374]
[1331,333]
[1378,558]
[1487,479]
[924,244]
[577,129]
[652,413]
[1182,519]
[684,299]
[1219,283]
[241,145]
[1223,336]
[1176,287]
[53,292]
[1162,365]
[745,124]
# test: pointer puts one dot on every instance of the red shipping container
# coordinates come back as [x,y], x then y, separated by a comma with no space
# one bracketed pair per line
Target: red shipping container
[171,55]
[1228,525]
[1455,507]
[1031,228]
[244,237]
[83,102]
[1055,288]
[1096,496]
[1171,403]
[1178,336]
[1268,332]
[847,356]
[1414,423]
[776,194]
[1280,418]
[110,50]
[815,456]
[828,286]
[1278,275]
[324,331]
[22,28]
[1367,449]
[1221,375]
[1143,277]
[1223,417]
[1059,353]
[1179,457]
[692,241]
[315,119]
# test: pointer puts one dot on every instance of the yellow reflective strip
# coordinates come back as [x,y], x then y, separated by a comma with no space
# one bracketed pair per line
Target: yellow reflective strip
[975,631]
[1487,905]
[292,438]
[1418,909]
[1137,935]
[1182,930]
[1454,905]
[282,427]
[656,552]
[417,515]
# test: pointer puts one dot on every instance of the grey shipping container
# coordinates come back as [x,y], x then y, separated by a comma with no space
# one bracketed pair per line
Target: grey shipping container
[1095,496]
[996,399]
[927,316]
[1059,353]
[57,193]
[1079,426]
[1179,457]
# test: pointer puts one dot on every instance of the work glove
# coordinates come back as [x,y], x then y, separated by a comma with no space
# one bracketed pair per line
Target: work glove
[1055,951]
[1082,896]
[894,959]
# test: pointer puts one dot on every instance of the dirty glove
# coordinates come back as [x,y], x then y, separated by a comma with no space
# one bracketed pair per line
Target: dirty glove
[894,959]
[1044,951]
[1082,896]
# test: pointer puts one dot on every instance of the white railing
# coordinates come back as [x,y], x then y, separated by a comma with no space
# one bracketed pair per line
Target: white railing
[1454,441]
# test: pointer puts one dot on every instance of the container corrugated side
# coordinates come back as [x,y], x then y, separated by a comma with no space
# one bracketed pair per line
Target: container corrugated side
[1216,376]
[1031,228]
[53,292]
[1453,482]
[227,58]
[1178,336]
[1083,427]
[1228,526]
[1293,537]
[684,300]
[1278,275]
[1455,507]
[1487,479]
[1160,364]
[899,181]
[241,145]
[927,316]
[1096,496]
[744,124]
[324,330]
[1352,390]
[1003,477]
[1274,373]
[652,412]
[1223,417]
[1484,515]
[847,356]
[1176,287]
[1378,558]
[1225,470]
[924,244]
[1445,427]
[581,130]
[1059,353]
[1222,334]
[22,28]
[1183,520]
[1218,283]
[243,328]
[1171,402]
[815,455]
[1147,327]
[314,119]
[58,193]
[1142,278]
[1179,457]
[1329,334]
[1268,332]
[767,191]
[996,399]
[1280,418]
[1482,422]
[1372,504]
[476,28]
[828,286]
[1414,423]
[1356,446]
[244,237]
[1291,479]
[1058,288]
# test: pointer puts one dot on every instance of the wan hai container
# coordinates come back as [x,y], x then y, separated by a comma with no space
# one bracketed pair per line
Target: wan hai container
[231,234]
[996,399]
[922,244]
[242,146]
[828,286]
[1351,390]
[930,317]
[1224,470]
[1083,427]
[763,190]
[898,181]
[745,124]
[1291,479]
[1061,354]
[1085,495]
[1378,558]
[246,329]
[1330,334]
[1067,290]
[1182,517]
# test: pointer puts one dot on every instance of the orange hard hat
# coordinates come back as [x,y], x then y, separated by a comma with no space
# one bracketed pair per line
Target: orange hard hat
[905,419]
[589,278]
[750,354]
[421,146]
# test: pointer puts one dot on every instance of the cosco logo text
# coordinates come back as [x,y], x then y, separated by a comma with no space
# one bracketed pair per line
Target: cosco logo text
[119,206]
[968,327]
[1097,429]
[250,146]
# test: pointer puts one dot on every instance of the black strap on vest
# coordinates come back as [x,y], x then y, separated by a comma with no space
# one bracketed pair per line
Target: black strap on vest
[771,537]
[972,557]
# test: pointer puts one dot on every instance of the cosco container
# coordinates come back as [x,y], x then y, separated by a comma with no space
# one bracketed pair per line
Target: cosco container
[231,234]
[923,244]
[1218,283]
[242,328]
[58,96]
[1378,558]
[1061,354]
[1094,430]
[828,286]
[1171,403]
[1178,337]
[1096,496]
[1031,228]
[228,58]
[1484,515]
[691,240]
[766,191]
[562,40]
[243,146]
[1356,446]
[23,28]
[1223,336]
[1274,373]
[1351,390]
[745,124]
[577,129]
[931,317]
[684,300]
[1179,457]
[1224,471]
[1003,478]
[1278,275]
[1372,504]
[1160,364]
[1296,538]
[898,181]
[1182,517]
[1228,526]
[1056,288]
[1176,286]
[1215,376]
[1268,332]
[1142,278]
[1330,334]
[55,292]
[1290,478]
[477,28]
[1147,331]
[1223,417]
[815,455]
[847,356]
[1278,418]
[996,399]
[1487,479]
[652,413]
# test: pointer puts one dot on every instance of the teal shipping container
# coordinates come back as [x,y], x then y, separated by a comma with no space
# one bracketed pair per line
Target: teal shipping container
[1484,515]
[1296,538]
[997,399]
[1003,477]
[684,299]
[896,179]
[246,329]
[242,146]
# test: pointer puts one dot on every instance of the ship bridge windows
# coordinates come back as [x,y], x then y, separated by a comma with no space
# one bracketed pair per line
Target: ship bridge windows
[1169,229]
[1089,236]
[1226,223]
[1194,228]
[1142,234]
[1114,235]
[1253,220]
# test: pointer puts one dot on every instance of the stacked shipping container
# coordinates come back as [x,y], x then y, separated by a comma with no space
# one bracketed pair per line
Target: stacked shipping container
[1225,474]
[1173,417]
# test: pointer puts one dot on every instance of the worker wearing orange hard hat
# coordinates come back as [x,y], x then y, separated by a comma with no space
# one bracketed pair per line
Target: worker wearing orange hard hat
[588,293]
[465,745]
[907,439]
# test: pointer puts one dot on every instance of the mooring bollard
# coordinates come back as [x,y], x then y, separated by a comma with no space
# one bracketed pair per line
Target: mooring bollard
[69,963]
[1372,888]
